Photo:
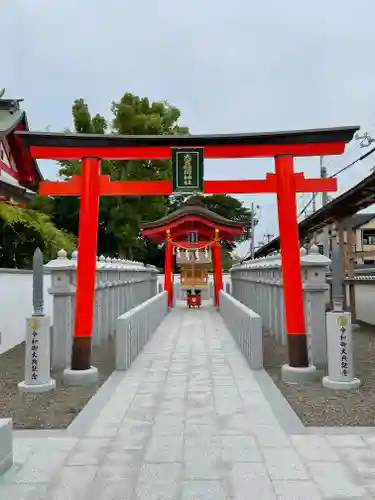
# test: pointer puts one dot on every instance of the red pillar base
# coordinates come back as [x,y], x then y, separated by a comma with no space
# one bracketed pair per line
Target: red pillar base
[81,353]
[297,347]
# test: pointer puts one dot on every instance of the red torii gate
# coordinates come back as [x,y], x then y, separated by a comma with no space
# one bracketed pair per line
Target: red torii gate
[283,146]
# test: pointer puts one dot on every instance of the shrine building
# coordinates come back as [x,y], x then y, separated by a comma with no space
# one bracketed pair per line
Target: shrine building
[19,172]
[193,234]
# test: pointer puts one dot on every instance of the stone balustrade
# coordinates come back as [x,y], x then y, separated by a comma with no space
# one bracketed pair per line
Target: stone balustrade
[6,444]
[246,328]
[135,328]
[120,286]
[258,284]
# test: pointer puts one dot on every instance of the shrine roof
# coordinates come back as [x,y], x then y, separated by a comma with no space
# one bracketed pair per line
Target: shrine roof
[13,120]
[324,135]
[191,210]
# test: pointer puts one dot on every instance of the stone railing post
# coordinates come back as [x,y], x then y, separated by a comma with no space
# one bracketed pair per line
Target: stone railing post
[63,291]
[122,304]
[103,291]
[97,334]
[109,298]
[314,267]
[153,277]
[117,287]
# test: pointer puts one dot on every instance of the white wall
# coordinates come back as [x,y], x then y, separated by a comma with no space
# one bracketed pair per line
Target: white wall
[364,302]
[16,294]
[16,290]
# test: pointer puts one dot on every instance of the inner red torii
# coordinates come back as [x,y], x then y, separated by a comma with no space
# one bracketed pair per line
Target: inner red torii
[209,229]
[285,183]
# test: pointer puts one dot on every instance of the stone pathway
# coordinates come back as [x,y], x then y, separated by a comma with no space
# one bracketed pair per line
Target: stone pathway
[189,421]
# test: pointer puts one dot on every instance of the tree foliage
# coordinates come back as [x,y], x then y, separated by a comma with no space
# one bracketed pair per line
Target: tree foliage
[120,217]
[22,231]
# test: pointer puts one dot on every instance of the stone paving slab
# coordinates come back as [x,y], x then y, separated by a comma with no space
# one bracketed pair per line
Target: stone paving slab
[189,421]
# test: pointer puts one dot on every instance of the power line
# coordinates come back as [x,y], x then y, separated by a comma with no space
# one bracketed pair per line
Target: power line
[336,174]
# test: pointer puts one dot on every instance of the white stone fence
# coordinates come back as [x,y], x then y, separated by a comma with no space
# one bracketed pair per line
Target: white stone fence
[246,328]
[258,285]
[135,328]
[6,444]
[120,286]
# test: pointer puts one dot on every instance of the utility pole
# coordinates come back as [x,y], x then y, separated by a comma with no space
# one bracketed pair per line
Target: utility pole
[314,203]
[252,229]
[326,233]
[268,237]
[323,175]
[252,226]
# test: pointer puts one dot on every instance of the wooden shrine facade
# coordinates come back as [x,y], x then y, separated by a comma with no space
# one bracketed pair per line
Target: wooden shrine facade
[193,234]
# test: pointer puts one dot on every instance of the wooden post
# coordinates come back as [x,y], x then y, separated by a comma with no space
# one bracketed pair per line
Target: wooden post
[337,289]
[350,261]
[341,226]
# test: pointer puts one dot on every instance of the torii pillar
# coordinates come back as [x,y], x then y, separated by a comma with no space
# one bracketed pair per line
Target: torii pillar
[298,368]
[217,265]
[168,267]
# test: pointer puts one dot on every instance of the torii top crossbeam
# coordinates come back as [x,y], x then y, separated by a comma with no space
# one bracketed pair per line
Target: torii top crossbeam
[314,142]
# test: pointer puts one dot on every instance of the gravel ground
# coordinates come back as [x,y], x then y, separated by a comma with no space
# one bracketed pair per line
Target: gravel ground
[317,406]
[52,410]
[314,404]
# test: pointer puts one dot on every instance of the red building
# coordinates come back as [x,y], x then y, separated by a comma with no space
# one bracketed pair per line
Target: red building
[19,172]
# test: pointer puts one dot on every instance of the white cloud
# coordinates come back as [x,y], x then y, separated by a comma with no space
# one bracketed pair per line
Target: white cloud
[230,67]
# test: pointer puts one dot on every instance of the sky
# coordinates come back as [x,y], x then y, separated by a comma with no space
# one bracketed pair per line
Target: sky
[238,66]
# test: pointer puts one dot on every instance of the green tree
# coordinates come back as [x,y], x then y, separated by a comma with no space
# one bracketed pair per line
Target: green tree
[120,217]
[22,231]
